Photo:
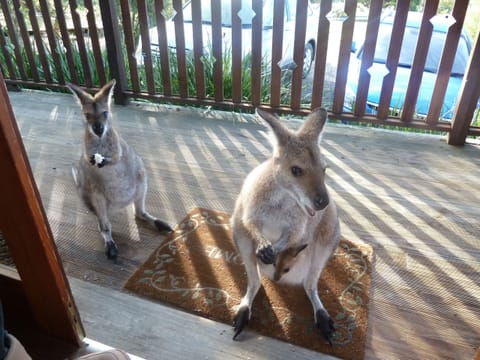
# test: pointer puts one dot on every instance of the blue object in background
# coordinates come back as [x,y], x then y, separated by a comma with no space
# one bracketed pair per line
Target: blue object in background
[409,44]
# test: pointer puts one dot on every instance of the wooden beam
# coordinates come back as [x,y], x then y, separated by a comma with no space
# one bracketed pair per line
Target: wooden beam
[114,50]
[468,99]
[29,238]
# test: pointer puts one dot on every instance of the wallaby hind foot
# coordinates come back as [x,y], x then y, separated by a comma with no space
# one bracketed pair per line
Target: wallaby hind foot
[111,250]
[325,324]
[241,320]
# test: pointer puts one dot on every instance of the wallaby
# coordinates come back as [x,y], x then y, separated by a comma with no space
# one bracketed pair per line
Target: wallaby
[284,204]
[110,175]
[285,259]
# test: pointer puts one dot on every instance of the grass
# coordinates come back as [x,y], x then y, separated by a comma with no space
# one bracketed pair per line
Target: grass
[208,61]
[64,67]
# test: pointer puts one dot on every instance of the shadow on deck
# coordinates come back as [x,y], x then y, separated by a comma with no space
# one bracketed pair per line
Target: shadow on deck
[412,197]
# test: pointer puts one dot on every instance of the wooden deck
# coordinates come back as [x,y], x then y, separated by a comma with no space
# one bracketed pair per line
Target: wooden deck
[415,199]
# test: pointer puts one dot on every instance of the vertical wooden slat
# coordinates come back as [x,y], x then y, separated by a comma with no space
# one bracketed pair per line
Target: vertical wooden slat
[6,56]
[468,98]
[320,66]
[25,228]
[446,62]
[398,30]
[26,40]
[217,49]
[38,40]
[257,52]
[344,56]
[66,40]
[198,48]
[97,51]
[147,53]
[298,52]
[130,45]
[163,47]
[80,41]
[12,34]
[116,61]
[277,51]
[180,48]
[52,41]
[236,52]
[419,60]
[13,39]
[373,25]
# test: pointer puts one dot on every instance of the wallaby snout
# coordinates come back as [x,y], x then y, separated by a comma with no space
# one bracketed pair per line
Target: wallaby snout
[321,201]
[98,128]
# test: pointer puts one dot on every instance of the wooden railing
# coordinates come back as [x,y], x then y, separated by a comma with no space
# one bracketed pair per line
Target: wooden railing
[44,46]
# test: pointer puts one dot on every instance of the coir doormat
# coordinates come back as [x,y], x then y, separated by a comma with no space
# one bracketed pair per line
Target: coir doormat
[198,269]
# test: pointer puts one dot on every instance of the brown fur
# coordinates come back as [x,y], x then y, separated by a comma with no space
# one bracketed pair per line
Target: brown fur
[285,259]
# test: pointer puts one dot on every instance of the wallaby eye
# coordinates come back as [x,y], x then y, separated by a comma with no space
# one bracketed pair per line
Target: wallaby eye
[296,171]
[286,270]
[105,115]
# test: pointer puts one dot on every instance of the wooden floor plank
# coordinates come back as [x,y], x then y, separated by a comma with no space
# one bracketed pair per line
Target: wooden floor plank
[412,197]
[152,331]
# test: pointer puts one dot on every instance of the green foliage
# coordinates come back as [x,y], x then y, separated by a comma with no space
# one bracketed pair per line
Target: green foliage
[208,61]
[79,68]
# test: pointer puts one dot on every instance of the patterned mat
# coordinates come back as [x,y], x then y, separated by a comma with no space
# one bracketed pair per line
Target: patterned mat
[198,269]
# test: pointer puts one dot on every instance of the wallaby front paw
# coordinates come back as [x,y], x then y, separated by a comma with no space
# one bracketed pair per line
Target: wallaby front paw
[98,160]
[325,324]
[266,254]
[241,320]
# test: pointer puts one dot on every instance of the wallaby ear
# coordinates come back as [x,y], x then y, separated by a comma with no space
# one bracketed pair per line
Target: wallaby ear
[106,92]
[298,249]
[281,133]
[314,124]
[81,95]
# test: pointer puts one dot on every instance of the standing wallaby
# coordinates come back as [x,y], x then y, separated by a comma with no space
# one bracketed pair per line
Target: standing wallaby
[284,205]
[110,175]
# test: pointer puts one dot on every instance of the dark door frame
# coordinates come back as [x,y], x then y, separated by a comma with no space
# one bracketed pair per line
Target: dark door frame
[25,228]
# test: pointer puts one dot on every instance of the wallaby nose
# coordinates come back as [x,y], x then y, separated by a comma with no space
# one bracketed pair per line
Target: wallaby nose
[98,128]
[320,202]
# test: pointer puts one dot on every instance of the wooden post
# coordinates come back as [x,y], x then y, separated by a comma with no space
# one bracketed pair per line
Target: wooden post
[114,50]
[29,238]
[467,103]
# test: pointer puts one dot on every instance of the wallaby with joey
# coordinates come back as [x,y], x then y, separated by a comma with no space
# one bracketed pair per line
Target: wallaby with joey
[110,175]
[282,208]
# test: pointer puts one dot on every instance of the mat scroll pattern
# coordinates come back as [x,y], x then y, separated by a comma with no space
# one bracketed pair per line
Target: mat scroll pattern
[198,269]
